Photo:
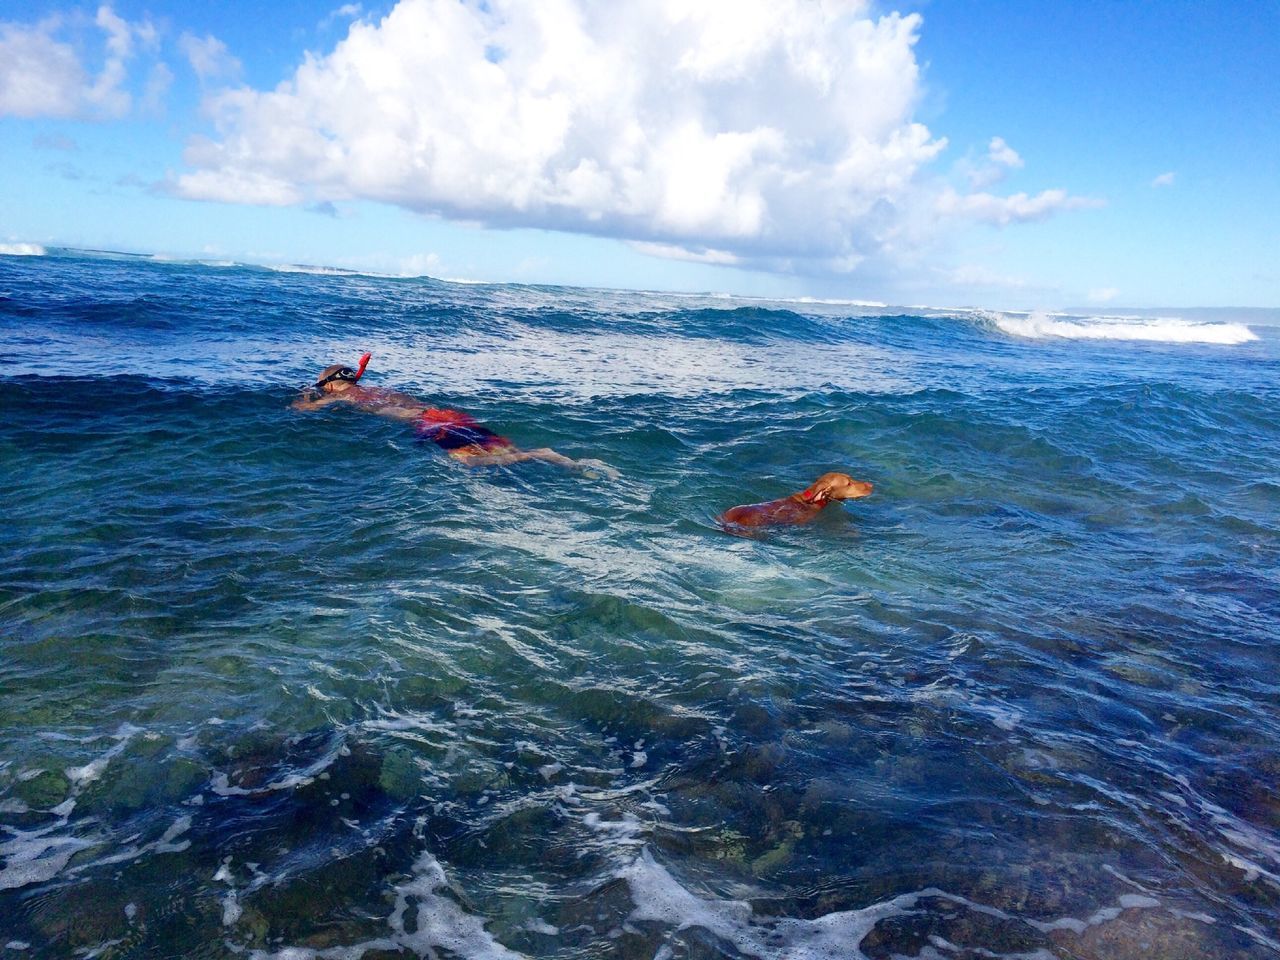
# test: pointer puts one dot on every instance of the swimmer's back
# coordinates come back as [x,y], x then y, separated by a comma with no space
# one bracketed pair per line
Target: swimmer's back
[454,430]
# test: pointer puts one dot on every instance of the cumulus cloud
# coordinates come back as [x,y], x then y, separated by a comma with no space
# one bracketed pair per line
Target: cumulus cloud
[767,133]
[761,128]
[1164,180]
[208,57]
[42,74]
[1017,208]
[39,75]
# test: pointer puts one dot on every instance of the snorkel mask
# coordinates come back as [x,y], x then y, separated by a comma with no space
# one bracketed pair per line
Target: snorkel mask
[345,373]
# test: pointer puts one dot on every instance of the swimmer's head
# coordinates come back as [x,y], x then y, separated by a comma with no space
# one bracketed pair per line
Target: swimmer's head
[337,378]
[836,486]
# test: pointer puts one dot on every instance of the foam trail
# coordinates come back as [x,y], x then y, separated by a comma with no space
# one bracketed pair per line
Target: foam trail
[660,898]
[1038,326]
[221,783]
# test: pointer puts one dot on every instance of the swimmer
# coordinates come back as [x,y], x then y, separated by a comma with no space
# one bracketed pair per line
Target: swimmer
[455,432]
[799,507]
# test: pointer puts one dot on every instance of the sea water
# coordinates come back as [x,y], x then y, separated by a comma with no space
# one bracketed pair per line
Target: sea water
[286,685]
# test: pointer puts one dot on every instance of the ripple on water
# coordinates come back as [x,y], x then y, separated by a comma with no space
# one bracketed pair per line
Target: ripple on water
[292,686]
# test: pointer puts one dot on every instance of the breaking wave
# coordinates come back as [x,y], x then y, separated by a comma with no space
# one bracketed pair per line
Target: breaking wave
[1038,326]
[21,250]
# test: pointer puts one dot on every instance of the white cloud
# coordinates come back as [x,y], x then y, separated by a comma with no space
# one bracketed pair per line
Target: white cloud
[348,11]
[671,251]
[41,73]
[208,57]
[39,76]
[420,265]
[1103,294]
[1003,155]
[158,82]
[1017,208]
[1000,159]
[761,128]
[1164,180]
[774,134]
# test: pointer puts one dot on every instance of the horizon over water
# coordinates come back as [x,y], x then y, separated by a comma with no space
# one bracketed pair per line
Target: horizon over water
[293,686]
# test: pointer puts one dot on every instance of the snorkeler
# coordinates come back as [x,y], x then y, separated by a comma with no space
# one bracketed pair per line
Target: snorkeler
[799,507]
[455,432]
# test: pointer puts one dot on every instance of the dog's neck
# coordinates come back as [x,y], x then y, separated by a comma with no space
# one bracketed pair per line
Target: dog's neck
[813,498]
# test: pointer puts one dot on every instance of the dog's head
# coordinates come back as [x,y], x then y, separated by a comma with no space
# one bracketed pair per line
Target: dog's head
[836,486]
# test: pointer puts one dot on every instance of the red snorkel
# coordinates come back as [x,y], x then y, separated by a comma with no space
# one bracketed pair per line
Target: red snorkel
[364,362]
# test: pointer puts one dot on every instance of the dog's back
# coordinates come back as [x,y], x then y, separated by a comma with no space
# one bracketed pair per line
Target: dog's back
[799,507]
[784,510]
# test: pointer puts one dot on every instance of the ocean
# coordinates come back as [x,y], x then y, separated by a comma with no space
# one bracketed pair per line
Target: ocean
[295,685]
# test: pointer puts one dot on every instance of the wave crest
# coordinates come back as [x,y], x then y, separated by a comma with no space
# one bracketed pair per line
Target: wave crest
[22,250]
[1039,326]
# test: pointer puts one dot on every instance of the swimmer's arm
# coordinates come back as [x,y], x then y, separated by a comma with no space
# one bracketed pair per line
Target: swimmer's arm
[405,414]
[306,403]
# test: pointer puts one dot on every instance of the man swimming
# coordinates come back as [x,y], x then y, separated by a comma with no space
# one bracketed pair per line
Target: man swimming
[455,432]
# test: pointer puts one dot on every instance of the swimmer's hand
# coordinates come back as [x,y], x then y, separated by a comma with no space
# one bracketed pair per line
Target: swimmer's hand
[597,468]
[307,400]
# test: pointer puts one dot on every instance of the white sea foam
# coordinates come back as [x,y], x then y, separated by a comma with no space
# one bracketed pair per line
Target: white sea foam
[132,852]
[439,923]
[79,776]
[21,250]
[625,832]
[1038,326]
[31,858]
[220,783]
[660,898]
[231,909]
[36,856]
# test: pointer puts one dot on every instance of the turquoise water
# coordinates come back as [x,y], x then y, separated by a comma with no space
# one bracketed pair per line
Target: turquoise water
[293,686]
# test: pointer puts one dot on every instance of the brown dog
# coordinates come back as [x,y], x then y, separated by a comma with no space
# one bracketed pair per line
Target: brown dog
[799,507]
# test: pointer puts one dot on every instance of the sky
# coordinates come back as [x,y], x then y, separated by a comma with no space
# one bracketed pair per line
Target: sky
[1013,154]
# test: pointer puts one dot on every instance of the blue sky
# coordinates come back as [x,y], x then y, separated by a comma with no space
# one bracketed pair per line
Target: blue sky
[1011,154]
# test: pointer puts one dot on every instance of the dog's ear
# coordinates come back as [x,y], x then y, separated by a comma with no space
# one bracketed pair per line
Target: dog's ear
[817,494]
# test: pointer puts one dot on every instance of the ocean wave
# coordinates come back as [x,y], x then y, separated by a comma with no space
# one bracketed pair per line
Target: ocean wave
[1038,326]
[195,262]
[313,270]
[801,300]
[22,250]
